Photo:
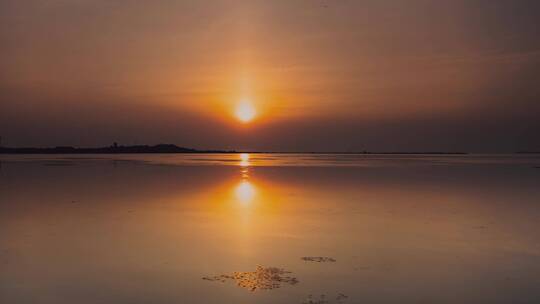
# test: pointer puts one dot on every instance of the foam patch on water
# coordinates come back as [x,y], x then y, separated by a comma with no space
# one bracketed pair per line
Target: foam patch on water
[319,259]
[323,299]
[263,278]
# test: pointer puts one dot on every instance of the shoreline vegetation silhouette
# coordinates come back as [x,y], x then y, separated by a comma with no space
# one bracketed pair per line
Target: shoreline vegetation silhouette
[113,149]
[170,148]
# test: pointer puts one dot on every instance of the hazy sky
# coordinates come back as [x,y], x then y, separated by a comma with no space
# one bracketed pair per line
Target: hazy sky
[323,75]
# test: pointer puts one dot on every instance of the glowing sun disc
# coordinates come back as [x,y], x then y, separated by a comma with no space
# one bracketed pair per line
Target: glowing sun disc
[245,111]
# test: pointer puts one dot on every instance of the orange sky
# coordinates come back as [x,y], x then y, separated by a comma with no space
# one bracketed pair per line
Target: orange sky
[138,71]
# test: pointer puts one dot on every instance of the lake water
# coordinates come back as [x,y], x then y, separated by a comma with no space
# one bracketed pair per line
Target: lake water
[269,228]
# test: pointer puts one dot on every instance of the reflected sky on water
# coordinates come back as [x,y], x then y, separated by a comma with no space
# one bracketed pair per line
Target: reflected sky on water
[147,228]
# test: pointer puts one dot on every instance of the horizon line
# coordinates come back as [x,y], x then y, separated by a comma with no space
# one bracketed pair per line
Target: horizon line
[173,148]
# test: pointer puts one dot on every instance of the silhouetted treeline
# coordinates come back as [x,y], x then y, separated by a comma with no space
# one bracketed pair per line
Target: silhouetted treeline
[170,148]
[162,148]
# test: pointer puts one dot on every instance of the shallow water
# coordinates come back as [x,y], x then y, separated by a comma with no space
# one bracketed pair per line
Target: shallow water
[348,228]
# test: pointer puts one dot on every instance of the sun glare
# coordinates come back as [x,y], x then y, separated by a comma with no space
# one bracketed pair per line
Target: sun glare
[244,159]
[245,192]
[245,111]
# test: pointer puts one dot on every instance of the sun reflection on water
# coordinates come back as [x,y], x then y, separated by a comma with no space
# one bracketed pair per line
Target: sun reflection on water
[244,160]
[245,191]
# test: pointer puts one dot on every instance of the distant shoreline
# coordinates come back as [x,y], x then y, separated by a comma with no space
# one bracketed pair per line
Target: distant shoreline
[114,149]
[173,149]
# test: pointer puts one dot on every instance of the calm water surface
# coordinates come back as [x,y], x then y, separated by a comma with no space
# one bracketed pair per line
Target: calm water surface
[149,228]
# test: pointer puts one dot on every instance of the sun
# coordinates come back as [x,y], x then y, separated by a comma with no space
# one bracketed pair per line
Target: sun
[245,112]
